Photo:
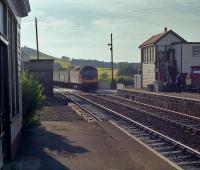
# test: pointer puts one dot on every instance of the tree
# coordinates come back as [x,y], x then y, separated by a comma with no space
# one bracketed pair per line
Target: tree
[104,76]
[128,69]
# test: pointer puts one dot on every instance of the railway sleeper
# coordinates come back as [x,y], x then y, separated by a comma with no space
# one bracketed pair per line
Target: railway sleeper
[188,163]
[197,125]
[143,137]
[167,153]
[135,132]
[131,131]
[152,141]
[157,144]
[165,148]
[189,158]
[178,157]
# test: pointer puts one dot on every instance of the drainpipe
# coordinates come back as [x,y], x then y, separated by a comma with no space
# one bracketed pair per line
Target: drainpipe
[181,58]
[142,59]
[156,64]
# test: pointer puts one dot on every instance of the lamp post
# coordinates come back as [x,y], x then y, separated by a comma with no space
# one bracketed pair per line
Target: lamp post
[111,49]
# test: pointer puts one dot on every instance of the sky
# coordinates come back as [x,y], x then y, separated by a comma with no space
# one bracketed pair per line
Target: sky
[81,29]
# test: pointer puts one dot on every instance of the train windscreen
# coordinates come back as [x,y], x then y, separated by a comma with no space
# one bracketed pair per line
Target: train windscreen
[89,74]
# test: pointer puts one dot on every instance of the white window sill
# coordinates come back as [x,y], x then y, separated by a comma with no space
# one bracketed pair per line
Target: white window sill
[3,39]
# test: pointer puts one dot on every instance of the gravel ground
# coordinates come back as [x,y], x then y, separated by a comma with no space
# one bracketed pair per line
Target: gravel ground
[63,142]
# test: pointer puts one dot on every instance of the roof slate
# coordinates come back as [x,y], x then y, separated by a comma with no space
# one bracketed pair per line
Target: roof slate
[155,38]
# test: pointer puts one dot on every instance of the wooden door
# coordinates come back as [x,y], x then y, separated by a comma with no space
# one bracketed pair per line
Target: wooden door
[196,76]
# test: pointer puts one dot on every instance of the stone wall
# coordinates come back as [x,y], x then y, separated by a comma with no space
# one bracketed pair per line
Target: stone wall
[187,106]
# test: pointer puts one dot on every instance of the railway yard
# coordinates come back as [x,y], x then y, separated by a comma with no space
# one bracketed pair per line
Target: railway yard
[110,131]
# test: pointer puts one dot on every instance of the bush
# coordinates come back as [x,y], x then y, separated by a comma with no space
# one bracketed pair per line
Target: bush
[126,80]
[32,101]
[104,76]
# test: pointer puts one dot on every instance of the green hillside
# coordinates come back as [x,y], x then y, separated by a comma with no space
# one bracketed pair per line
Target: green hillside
[29,53]
[106,73]
[123,68]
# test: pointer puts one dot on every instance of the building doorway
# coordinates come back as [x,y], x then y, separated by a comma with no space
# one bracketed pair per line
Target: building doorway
[4,105]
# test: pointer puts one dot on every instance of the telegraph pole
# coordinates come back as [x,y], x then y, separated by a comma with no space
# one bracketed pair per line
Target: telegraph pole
[111,49]
[36,30]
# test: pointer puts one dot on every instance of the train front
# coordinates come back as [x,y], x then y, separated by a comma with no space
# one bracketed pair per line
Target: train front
[89,78]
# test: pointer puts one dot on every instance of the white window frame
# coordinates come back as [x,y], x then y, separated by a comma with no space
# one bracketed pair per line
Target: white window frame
[196,51]
[196,71]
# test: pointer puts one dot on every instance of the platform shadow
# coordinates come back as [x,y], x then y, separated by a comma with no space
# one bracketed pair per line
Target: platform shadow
[56,100]
[51,149]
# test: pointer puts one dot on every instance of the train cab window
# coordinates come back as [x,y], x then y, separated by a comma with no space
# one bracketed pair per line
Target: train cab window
[89,73]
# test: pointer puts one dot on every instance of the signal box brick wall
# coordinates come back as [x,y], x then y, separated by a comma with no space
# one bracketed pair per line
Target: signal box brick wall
[42,71]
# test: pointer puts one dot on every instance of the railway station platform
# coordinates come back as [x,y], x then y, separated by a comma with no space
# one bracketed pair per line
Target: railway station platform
[63,141]
[187,103]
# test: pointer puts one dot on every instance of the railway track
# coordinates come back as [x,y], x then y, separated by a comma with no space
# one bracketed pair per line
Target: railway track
[182,155]
[185,121]
[181,133]
[188,121]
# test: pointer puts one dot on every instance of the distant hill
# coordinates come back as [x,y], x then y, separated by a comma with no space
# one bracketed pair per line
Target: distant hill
[29,53]
[65,62]
[94,63]
[101,64]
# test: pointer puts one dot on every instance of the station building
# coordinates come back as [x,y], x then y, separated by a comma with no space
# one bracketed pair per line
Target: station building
[165,54]
[11,11]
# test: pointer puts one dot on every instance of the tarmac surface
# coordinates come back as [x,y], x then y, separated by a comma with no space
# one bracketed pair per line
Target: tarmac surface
[63,142]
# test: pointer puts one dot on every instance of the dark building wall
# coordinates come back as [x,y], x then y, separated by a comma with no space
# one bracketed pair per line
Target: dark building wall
[42,70]
[10,86]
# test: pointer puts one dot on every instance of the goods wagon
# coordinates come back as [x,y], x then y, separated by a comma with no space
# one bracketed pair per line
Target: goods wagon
[61,76]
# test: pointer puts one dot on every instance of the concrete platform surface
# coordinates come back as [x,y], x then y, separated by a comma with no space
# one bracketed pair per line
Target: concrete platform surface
[63,142]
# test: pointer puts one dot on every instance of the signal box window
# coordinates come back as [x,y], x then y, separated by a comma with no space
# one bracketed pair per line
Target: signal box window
[196,51]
